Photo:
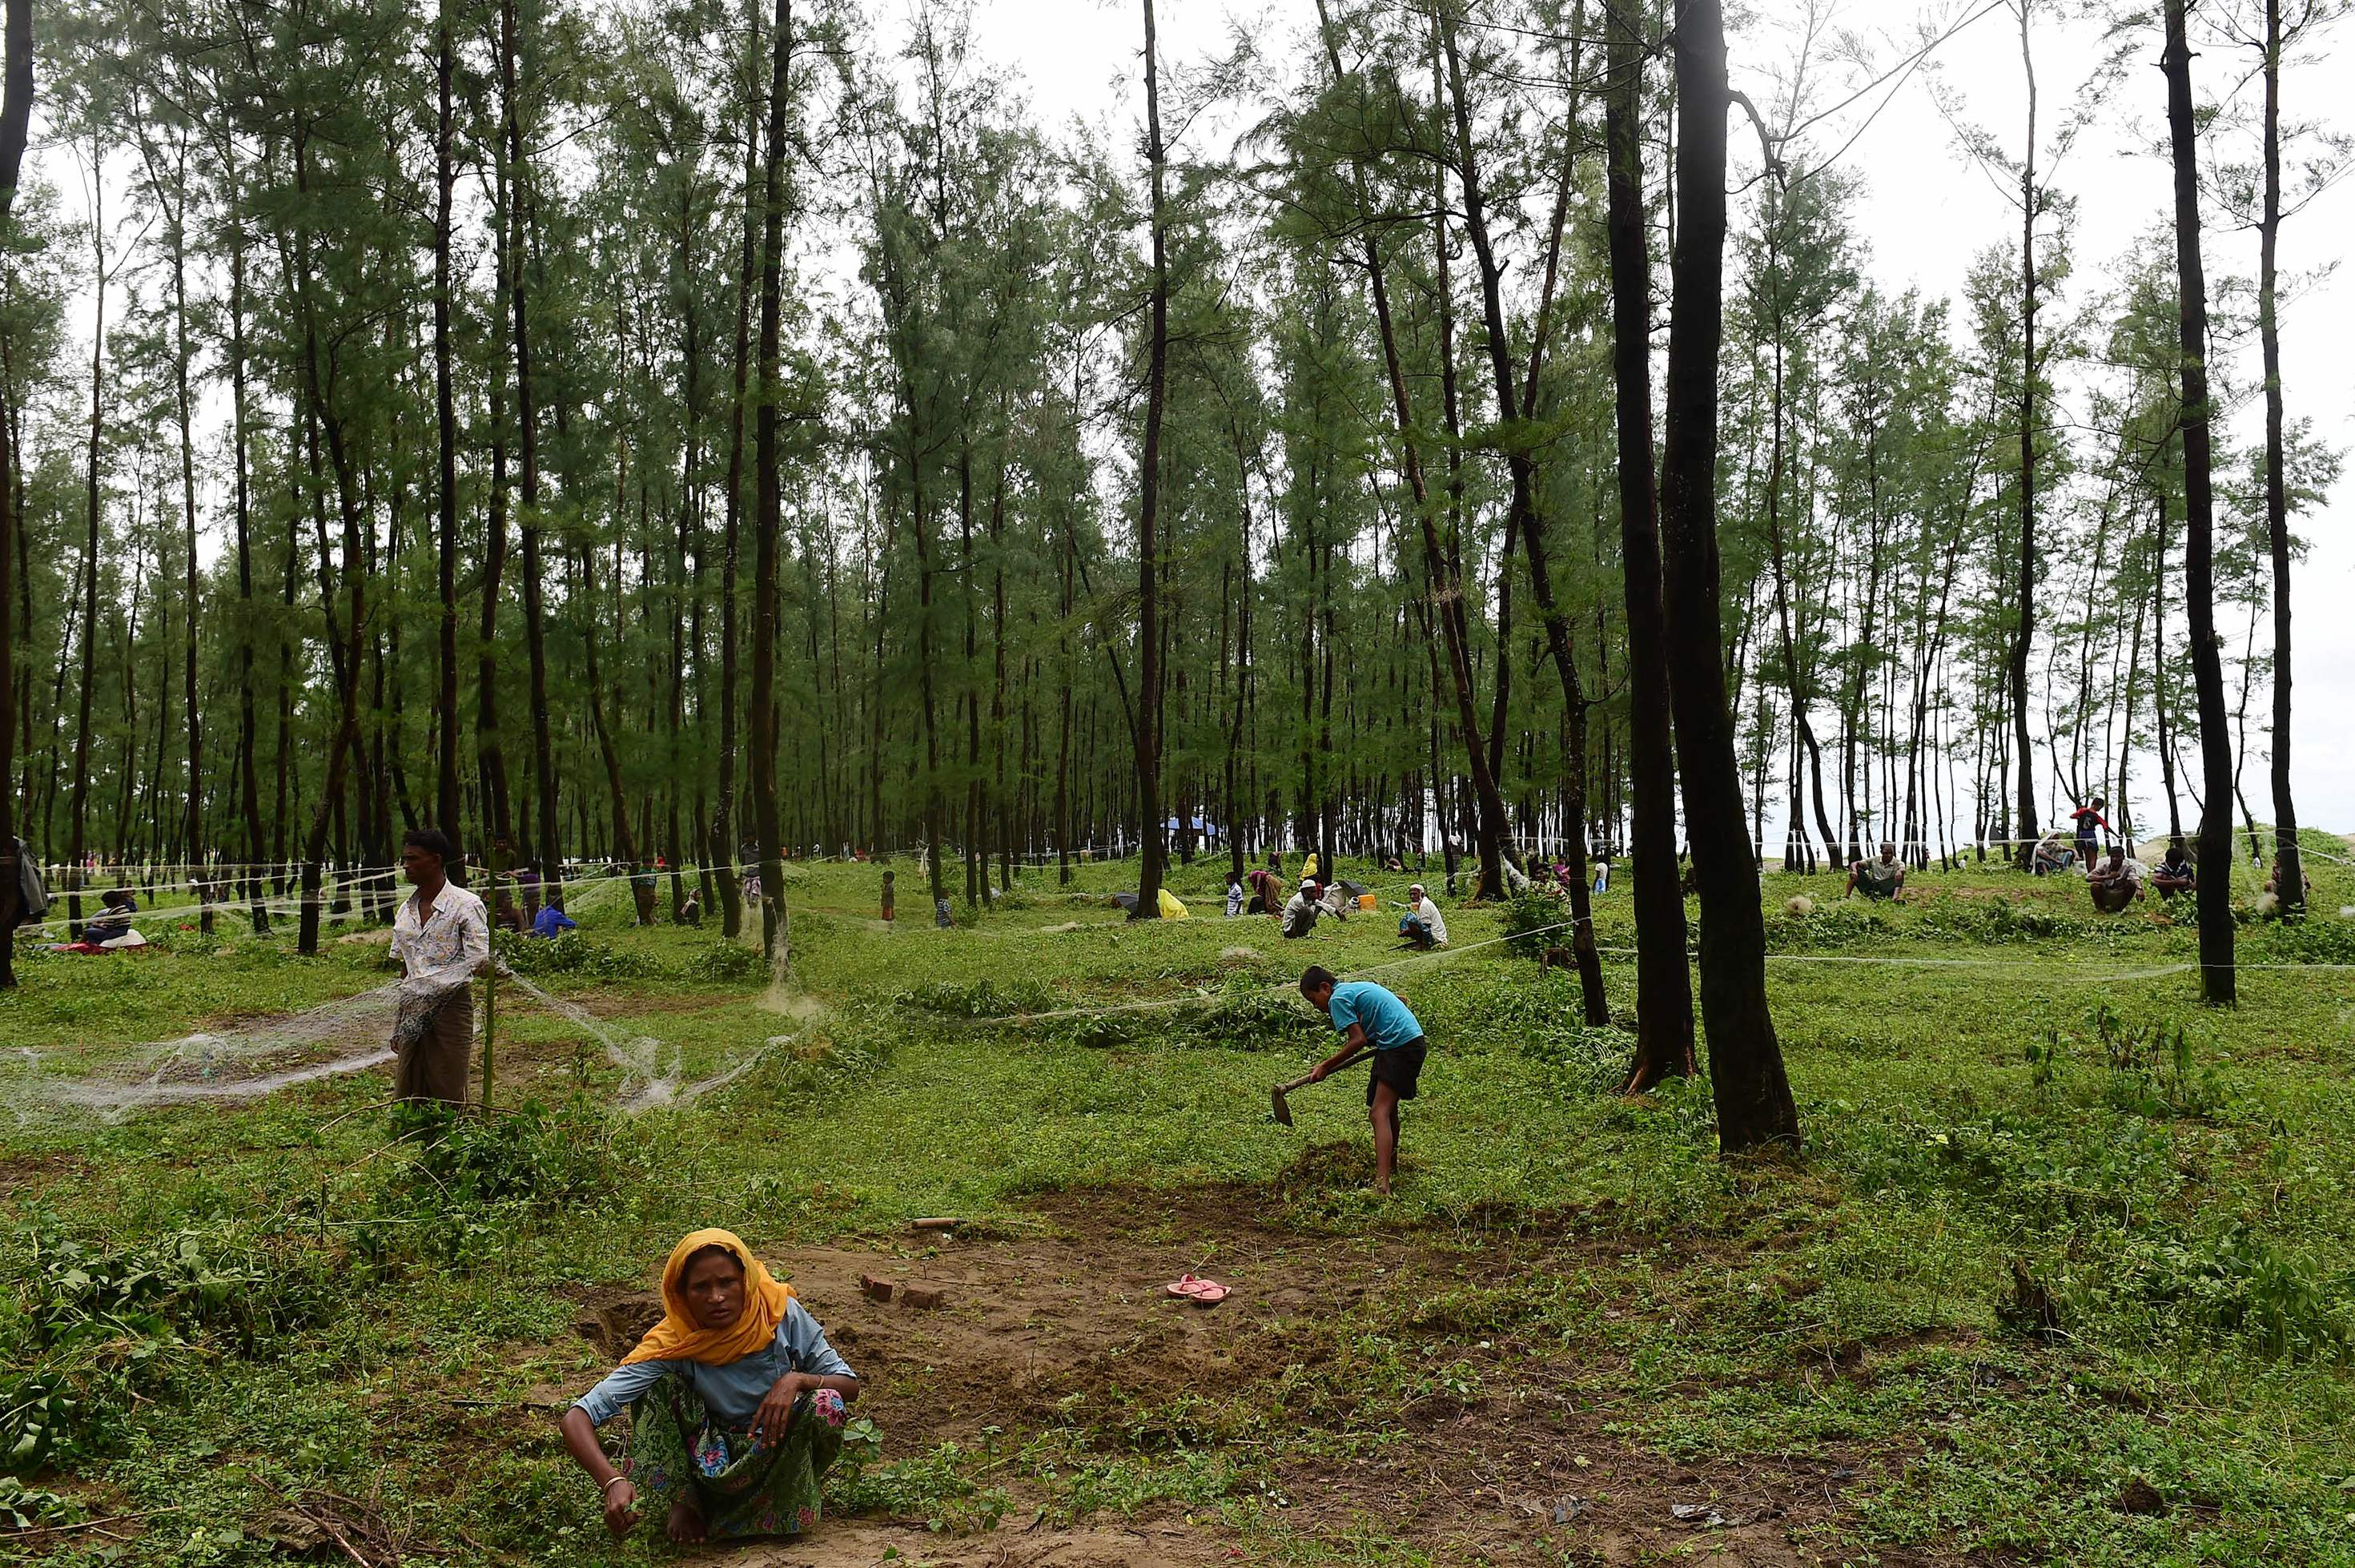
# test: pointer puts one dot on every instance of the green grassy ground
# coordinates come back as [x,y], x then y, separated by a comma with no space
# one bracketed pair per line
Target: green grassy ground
[2063,1274]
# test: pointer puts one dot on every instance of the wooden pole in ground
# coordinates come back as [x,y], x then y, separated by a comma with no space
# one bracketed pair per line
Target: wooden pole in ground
[491,975]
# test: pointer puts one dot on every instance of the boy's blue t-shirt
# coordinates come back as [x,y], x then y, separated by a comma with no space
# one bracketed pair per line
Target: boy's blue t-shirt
[1389,1023]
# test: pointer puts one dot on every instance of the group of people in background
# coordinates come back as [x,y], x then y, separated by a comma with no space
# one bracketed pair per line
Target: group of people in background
[2113,878]
[1259,892]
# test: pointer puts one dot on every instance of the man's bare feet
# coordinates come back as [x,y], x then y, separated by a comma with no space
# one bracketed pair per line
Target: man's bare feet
[686,1525]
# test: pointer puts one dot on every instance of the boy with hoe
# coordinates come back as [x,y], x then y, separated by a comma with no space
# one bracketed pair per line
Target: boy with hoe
[1372,1018]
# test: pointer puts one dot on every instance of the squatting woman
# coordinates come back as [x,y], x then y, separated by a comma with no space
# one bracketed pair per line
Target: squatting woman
[735,1400]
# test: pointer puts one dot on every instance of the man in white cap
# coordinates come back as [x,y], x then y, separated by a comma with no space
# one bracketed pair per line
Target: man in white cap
[1421,927]
[1300,915]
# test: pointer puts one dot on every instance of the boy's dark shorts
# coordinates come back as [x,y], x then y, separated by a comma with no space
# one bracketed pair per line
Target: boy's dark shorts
[1399,1067]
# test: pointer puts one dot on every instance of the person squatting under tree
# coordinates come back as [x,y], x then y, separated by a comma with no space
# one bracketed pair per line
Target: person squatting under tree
[441,935]
[1372,1017]
[2116,882]
[2174,874]
[1878,879]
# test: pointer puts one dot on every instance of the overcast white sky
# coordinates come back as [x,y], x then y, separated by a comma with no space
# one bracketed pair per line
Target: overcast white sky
[1925,212]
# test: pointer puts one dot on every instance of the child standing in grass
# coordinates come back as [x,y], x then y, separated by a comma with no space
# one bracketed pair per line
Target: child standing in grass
[1372,1018]
[890,898]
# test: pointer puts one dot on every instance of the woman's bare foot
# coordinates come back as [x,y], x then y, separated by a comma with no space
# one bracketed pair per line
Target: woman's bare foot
[686,1525]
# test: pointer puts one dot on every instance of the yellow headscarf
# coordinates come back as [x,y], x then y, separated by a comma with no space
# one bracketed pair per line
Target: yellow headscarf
[679,1338]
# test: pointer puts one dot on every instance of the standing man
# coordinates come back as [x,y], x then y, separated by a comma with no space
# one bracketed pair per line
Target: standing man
[2086,819]
[1373,1019]
[441,935]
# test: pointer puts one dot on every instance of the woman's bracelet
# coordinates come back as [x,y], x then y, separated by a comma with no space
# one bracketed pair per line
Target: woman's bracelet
[607,1490]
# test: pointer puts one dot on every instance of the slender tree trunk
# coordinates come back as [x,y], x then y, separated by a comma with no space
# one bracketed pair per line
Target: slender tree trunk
[2159,666]
[625,843]
[768,514]
[15,120]
[1149,677]
[2025,632]
[490,751]
[534,631]
[1664,1005]
[81,808]
[1755,1107]
[725,839]
[1446,581]
[2214,890]
[344,648]
[248,728]
[1522,508]
[175,208]
[2290,886]
[445,706]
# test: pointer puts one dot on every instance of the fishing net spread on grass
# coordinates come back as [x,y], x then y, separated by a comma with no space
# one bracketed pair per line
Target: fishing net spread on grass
[248,1060]
[234,1062]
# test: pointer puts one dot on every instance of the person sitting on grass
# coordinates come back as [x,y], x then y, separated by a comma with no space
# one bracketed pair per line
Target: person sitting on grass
[551,923]
[1234,895]
[1372,1018]
[2273,878]
[2174,874]
[1881,879]
[2116,881]
[1266,897]
[1300,915]
[735,1400]
[1421,927]
[112,924]
[2052,856]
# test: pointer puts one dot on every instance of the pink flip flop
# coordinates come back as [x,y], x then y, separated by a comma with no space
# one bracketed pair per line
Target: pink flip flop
[1202,1292]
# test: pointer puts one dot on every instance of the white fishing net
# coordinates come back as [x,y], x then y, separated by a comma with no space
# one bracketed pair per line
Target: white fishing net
[249,1060]
[241,1061]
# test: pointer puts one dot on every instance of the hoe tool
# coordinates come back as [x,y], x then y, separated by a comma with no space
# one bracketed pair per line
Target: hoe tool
[1283,1111]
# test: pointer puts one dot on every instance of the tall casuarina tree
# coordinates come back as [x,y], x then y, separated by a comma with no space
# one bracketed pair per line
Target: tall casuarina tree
[1148,514]
[2291,883]
[2215,887]
[768,505]
[535,620]
[15,120]
[1524,518]
[446,697]
[2024,755]
[1755,1107]
[1664,1005]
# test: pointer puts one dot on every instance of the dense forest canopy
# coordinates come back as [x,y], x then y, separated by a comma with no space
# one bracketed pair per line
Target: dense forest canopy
[711,432]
